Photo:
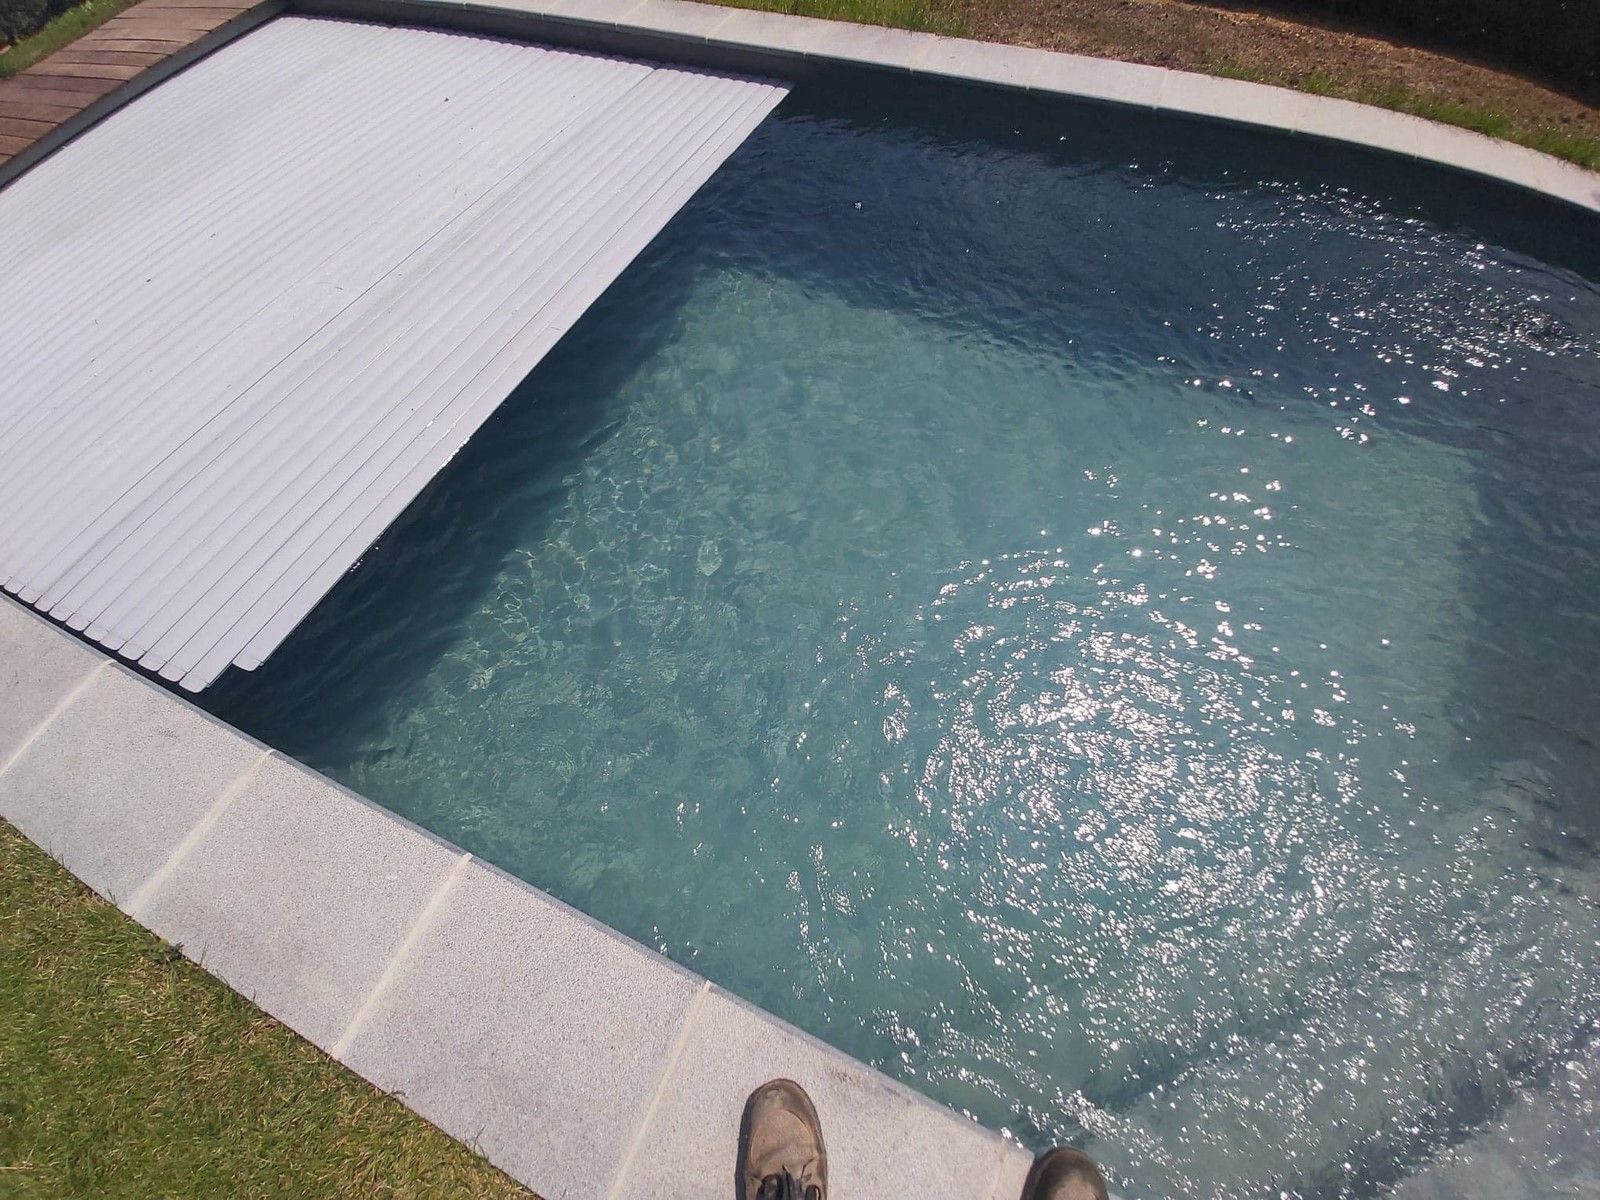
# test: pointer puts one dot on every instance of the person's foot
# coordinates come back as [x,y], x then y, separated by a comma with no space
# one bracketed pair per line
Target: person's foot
[781,1156]
[1063,1174]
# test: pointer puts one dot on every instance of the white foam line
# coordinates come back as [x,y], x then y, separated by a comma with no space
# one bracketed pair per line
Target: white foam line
[667,1073]
[142,894]
[62,705]
[425,919]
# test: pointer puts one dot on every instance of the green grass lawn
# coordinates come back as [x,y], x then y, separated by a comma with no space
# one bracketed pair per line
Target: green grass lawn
[931,16]
[1480,118]
[125,1070]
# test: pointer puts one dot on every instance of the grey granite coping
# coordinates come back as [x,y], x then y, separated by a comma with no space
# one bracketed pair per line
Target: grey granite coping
[38,675]
[528,1031]
[578,1061]
[297,897]
[748,39]
[161,768]
[731,1047]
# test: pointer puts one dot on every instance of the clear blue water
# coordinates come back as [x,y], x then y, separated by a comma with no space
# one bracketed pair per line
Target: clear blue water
[1094,616]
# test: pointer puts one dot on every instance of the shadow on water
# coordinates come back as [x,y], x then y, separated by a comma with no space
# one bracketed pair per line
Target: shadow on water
[984,129]
[997,218]
[1011,221]
[404,603]
[848,144]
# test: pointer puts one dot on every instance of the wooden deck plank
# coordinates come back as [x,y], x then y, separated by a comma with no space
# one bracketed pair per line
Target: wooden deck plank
[152,6]
[95,70]
[48,80]
[149,11]
[172,26]
[60,89]
[164,16]
[30,130]
[161,46]
[171,16]
[34,110]
[35,102]
[95,56]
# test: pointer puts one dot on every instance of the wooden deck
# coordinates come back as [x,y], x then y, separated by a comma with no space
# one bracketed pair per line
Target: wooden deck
[59,89]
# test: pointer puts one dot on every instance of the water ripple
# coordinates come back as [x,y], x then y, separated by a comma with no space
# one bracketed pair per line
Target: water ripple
[1108,637]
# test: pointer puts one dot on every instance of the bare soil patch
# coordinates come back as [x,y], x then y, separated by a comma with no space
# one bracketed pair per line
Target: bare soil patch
[1261,42]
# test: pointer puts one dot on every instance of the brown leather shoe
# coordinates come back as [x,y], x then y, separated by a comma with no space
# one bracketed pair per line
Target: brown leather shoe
[1063,1174]
[781,1156]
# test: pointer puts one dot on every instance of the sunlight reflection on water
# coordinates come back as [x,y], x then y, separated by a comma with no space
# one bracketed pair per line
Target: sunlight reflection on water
[1110,643]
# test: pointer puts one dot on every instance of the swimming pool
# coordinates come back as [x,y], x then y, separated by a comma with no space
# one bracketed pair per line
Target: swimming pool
[1091,614]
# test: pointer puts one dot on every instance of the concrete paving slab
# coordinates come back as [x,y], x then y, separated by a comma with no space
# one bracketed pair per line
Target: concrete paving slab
[1481,155]
[1570,182]
[1099,79]
[112,786]
[747,27]
[39,667]
[1346,121]
[986,62]
[1013,1174]
[1231,100]
[604,12]
[535,8]
[874,46]
[884,1141]
[678,17]
[299,896]
[528,1031]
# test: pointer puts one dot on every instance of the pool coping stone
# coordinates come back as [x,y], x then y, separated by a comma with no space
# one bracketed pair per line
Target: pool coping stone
[775,43]
[572,1057]
[763,42]
[731,1048]
[509,1016]
[295,897]
[161,771]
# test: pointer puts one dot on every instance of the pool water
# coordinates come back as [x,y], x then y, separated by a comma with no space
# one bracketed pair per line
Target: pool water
[1095,616]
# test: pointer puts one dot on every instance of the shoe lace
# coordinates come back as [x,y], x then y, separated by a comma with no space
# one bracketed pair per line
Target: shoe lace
[784,1186]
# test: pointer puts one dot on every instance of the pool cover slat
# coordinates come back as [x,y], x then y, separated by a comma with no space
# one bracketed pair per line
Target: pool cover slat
[256,311]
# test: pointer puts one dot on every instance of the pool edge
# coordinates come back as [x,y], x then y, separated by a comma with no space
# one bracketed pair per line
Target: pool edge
[775,43]
[580,1062]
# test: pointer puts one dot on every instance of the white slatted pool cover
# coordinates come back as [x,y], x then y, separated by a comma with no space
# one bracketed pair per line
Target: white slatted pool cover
[248,317]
